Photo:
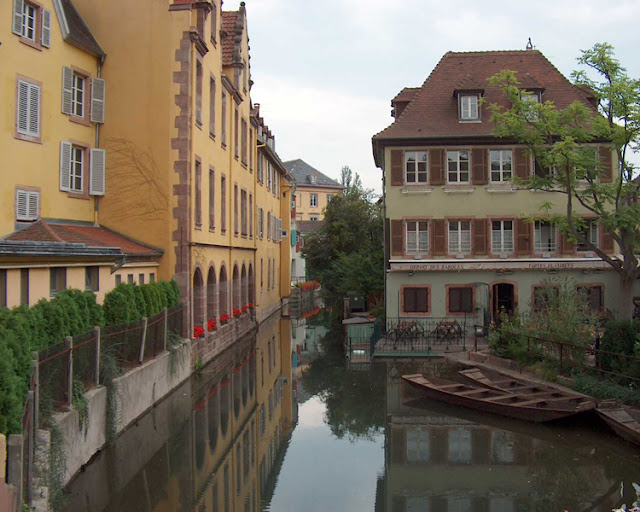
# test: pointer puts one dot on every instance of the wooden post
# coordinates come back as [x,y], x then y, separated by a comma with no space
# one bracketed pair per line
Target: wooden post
[96,332]
[143,341]
[68,344]
[165,313]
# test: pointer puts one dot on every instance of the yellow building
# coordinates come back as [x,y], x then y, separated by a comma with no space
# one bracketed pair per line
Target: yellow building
[53,161]
[185,149]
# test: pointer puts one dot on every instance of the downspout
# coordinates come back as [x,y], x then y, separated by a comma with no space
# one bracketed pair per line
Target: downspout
[96,222]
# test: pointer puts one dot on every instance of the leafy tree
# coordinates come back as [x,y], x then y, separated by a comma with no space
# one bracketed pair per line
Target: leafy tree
[560,140]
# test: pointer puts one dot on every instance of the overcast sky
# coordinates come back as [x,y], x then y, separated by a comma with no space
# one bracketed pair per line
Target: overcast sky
[324,72]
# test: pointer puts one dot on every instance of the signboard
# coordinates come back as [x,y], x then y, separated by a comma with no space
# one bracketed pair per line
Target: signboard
[471,265]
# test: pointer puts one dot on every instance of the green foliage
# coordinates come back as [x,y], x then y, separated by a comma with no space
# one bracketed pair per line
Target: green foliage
[590,385]
[81,404]
[621,337]
[117,307]
[11,386]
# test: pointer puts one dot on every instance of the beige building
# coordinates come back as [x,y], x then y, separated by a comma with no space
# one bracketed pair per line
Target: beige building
[456,244]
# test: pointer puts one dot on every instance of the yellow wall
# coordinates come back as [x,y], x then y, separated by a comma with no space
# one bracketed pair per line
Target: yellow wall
[36,164]
[304,211]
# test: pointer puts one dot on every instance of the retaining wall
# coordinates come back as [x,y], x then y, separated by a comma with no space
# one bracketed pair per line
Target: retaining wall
[8,493]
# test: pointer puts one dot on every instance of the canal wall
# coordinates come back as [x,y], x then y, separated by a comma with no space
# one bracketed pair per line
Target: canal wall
[213,343]
[136,391]
[8,493]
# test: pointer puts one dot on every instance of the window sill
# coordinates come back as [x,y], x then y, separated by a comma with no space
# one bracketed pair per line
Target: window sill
[27,138]
[498,189]
[78,195]
[243,164]
[198,124]
[198,227]
[32,44]
[469,121]
[212,230]
[212,136]
[408,189]
[224,146]
[453,189]
[459,255]
[84,121]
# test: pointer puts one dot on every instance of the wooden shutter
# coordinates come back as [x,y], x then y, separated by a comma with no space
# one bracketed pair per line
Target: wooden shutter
[97,179]
[397,237]
[67,90]
[480,239]
[46,28]
[34,110]
[65,166]
[566,246]
[397,171]
[27,205]
[606,172]
[439,245]
[606,240]
[22,121]
[422,300]
[479,168]
[18,6]
[436,161]
[33,205]
[521,163]
[97,100]
[410,302]
[523,240]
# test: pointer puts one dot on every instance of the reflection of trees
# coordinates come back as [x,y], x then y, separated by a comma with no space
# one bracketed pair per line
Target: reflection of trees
[354,399]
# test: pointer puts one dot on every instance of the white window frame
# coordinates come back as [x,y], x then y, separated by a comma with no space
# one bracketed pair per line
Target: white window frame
[313,200]
[416,166]
[78,95]
[416,240]
[458,163]
[459,239]
[73,174]
[502,238]
[545,246]
[593,232]
[499,156]
[534,97]
[469,105]
[26,17]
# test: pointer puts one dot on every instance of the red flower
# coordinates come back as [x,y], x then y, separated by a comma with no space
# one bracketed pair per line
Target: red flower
[250,305]
[224,318]
[198,331]
[212,325]
[245,308]
[236,313]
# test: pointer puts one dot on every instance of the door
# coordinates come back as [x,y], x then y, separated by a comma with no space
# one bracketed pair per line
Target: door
[503,300]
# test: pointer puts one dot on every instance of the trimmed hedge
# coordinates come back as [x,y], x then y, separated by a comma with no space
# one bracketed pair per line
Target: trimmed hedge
[128,303]
[621,337]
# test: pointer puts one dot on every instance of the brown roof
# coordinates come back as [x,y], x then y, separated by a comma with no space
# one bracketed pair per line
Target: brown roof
[406,94]
[89,235]
[79,34]
[433,112]
[229,20]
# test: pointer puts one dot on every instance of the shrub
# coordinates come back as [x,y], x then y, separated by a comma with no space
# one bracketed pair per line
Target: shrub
[590,385]
[117,307]
[621,337]
[141,305]
[11,387]
[174,294]
[76,324]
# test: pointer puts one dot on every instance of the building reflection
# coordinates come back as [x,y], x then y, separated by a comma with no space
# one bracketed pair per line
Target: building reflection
[439,458]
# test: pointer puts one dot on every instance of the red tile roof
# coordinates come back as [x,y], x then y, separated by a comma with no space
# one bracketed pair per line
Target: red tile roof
[406,94]
[91,236]
[433,111]
[229,20]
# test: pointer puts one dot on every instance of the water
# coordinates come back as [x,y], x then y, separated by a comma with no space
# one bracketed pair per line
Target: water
[249,433]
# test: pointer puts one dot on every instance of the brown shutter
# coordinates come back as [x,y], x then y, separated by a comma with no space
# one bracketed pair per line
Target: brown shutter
[523,241]
[397,238]
[480,172]
[521,163]
[606,240]
[422,300]
[438,237]
[480,245]
[436,160]
[566,246]
[396,167]
[606,175]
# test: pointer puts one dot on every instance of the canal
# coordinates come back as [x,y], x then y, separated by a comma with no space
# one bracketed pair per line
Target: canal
[252,432]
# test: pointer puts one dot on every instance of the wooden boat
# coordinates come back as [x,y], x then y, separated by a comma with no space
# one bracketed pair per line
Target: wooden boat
[538,406]
[623,420]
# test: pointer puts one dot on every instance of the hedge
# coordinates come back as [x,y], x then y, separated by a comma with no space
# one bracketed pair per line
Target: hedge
[621,337]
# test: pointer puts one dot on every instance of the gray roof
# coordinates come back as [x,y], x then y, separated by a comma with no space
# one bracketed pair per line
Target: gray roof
[75,30]
[309,226]
[301,172]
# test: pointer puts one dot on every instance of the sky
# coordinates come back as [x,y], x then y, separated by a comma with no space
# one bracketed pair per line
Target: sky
[325,72]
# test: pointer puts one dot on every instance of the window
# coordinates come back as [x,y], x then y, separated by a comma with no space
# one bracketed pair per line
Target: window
[545,237]
[590,233]
[461,299]
[118,279]
[27,205]
[313,200]
[76,169]
[140,278]
[29,18]
[152,277]
[415,166]
[260,168]
[212,199]
[223,203]
[28,110]
[502,236]
[212,107]
[417,237]
[57,280]
[531,100]
[130,279]
[313,218]
[223,114]
[542,171]
[24,286]
[199,77]
[3,288]
[458,166]
[501,165]
[593,295]
[92,278]
[198,198]
[77,95]
[214,23]
[459,237]
[243,134]
[243,211]
[251,215]
[268,175]
[235,210]
[545,297]
[416,300]
[269,228]
[260,222]
[469,110]
[460,446]
[251,148]
[329,197]
[236,128]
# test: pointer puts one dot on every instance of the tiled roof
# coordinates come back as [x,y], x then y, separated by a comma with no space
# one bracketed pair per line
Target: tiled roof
[433,112]
[229,20]
[406,94]
[309,226]
[79,34]
[88,235]
[301,172]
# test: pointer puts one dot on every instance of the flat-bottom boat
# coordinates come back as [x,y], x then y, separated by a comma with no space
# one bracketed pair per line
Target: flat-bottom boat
[623,420]
[538,406]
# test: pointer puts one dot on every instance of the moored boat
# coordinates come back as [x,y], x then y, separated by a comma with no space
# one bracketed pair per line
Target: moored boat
[538,406]
[623,420]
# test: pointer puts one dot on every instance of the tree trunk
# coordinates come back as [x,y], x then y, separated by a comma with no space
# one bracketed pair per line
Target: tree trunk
[626,298]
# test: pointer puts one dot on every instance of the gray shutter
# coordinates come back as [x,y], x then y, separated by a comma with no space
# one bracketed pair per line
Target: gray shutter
[22,208]
[18,6]
[34,110]
[97,167]
[22,121]
[97,100]
[46,28]
[67,89]
[65,166]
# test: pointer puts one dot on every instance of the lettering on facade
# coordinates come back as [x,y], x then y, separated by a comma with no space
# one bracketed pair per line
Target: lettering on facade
[513,265]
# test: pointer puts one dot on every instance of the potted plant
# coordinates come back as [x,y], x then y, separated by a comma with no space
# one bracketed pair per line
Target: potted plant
[212,325]
[198,331]
[224,318]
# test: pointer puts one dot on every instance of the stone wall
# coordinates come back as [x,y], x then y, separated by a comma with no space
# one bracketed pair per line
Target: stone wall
[8,494]
[213,343]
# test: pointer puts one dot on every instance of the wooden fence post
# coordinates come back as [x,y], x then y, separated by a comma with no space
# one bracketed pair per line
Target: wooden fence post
[68,345]
[96,332]
[143,341]
[165,312]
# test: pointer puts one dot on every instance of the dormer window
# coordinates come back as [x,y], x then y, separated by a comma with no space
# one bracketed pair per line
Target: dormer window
[312,178]
[531,100]
[469,109]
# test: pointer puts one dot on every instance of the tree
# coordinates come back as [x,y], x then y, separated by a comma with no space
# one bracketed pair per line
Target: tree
[563,141]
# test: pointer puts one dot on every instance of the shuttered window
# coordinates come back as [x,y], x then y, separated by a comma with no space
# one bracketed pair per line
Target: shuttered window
[416,300]
[261,223]
[417,237]
[212,199]
[27,205]
[545,236]
[57,280]
[458,166]
[236,225]
[502,236]
[46,28]
[199,79]
[98,94]
[501,165]
[461,300]
[459,237]
[590,233]
[593,296]
[212,107]
[415,166]
[223,203]
[28,109]
[251,215]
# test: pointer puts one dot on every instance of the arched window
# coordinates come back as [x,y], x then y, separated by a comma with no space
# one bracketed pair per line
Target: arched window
[236,287]
[244,286]
[223,301]
[198,299]
[212,294]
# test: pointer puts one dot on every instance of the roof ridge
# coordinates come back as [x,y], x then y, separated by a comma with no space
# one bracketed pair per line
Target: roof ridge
[50,230]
